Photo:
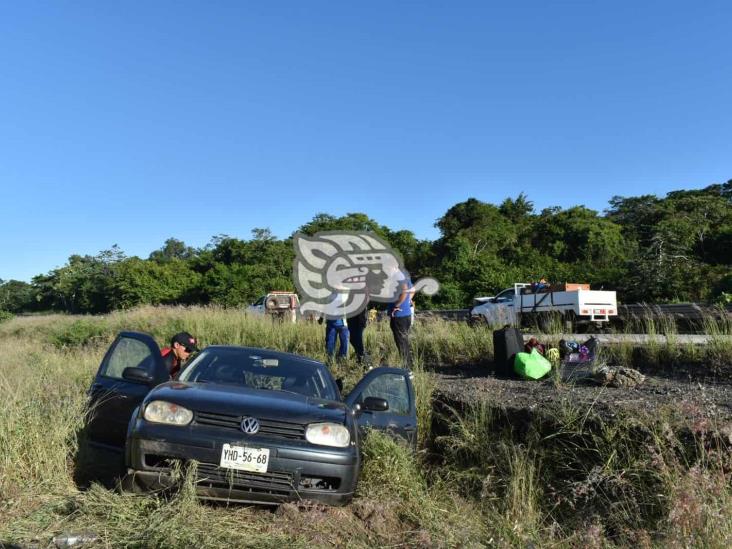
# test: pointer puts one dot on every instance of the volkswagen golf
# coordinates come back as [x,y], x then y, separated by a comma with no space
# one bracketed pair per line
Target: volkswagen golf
[262,426]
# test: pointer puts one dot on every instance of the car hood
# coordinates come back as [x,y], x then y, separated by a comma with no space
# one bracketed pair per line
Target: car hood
[261,403]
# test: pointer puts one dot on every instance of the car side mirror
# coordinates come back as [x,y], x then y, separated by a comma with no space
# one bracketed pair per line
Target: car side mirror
[137,375]
[375,404]
[339,384]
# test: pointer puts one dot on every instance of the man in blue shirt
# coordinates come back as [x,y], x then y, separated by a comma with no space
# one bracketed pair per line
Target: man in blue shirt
[400,320]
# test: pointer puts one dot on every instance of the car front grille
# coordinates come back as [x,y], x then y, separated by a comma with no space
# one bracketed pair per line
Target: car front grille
[270,428]
[275,483]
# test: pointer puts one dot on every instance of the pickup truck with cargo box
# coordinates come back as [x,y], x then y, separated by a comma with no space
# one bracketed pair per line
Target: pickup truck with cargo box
[573,304]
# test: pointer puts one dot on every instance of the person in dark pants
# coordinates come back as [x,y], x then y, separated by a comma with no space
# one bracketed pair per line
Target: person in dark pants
[336,329]
[182,345]
[356,326]
[400,320]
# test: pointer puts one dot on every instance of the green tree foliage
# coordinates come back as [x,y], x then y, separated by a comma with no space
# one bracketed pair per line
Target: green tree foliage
[583,244]
[172,249]
[16,296]
[238,272]
[485,248]
[518,210]
[137,282]
[349,222]
[82,285]
[470,256]
[682,243]
[637,216]
[651,249]
[480,226]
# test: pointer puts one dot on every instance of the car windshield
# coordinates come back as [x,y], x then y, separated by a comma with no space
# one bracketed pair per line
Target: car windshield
[260,369]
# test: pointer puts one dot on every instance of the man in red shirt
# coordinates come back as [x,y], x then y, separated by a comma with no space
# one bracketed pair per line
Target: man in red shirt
[181,346]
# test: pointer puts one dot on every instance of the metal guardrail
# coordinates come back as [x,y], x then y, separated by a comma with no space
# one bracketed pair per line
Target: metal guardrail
[678,311]
[642,339]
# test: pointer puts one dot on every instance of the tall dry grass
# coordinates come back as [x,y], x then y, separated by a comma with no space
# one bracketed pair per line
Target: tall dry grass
[490,480]
[47,364]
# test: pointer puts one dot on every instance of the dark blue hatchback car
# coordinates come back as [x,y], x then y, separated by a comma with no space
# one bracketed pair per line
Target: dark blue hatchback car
[262,426]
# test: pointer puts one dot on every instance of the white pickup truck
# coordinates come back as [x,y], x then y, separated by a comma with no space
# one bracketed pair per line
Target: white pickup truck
[571,303]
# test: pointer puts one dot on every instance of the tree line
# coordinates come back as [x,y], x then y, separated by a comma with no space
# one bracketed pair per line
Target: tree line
[649,249]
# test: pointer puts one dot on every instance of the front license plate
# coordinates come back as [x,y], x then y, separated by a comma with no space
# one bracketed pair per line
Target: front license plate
[244,458]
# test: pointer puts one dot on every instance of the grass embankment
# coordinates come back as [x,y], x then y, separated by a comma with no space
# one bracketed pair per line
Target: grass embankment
[564,475]
[485,481]
[708,359]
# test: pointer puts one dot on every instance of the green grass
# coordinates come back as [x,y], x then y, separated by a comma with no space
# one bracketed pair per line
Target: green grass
[488,476]
[566,475]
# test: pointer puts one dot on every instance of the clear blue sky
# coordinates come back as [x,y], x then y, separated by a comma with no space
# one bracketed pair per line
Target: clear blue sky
[130,122]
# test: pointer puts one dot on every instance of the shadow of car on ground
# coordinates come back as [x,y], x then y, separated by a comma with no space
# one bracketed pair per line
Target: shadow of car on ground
[94,464]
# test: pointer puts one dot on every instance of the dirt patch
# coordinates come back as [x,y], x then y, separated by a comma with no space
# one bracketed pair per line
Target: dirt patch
[691,400]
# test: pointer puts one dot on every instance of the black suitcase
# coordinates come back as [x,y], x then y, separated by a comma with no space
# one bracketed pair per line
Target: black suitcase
[506,343]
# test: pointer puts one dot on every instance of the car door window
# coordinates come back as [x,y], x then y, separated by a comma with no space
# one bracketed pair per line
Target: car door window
[127,353]
[392,388]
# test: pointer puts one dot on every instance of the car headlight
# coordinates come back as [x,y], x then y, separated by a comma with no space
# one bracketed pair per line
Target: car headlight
[160,411]
[328,434]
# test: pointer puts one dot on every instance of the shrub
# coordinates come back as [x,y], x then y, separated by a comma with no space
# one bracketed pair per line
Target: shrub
[79,333]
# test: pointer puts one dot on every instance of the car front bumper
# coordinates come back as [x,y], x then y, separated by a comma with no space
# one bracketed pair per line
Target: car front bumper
[296,470]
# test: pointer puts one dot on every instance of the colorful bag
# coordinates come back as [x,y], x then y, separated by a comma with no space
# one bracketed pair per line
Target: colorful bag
[578,353]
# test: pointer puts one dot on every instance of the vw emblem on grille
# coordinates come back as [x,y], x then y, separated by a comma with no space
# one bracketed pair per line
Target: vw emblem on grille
[250,425]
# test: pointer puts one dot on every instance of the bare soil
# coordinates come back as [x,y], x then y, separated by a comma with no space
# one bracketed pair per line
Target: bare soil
[691,400]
